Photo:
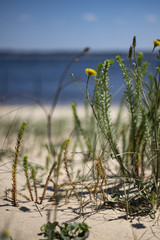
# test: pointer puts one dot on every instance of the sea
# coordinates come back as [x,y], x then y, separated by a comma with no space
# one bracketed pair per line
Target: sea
[29,77]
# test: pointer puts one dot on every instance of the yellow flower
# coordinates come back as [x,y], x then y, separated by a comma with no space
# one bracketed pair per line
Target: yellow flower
[90,72]
[156,43]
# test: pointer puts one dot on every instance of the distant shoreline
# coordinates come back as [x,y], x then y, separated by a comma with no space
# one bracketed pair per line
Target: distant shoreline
[24,54]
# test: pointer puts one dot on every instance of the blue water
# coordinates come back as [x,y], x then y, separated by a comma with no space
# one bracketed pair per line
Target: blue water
[39,75]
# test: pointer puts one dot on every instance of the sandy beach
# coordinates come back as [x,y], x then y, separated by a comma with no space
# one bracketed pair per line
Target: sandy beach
[24,221]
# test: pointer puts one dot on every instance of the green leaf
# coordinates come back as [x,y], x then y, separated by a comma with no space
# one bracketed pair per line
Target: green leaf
[139,59]
[99,67]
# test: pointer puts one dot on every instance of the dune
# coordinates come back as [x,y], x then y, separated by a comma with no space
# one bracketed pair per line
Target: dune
[24,221]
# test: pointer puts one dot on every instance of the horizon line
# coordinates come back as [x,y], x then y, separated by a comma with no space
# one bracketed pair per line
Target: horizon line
[65,51]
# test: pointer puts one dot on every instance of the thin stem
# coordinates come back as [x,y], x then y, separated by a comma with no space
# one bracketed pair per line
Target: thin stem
[87,94]
[62,78]
[156,130]
[151,55]
[25,95]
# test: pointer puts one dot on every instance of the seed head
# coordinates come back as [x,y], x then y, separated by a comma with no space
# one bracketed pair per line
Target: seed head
[130,53]
[134,41]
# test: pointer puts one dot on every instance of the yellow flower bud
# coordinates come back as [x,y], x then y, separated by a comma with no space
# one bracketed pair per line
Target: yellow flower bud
[71,74]
[156,43]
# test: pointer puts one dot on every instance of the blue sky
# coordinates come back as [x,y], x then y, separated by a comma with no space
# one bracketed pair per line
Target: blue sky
[76,24]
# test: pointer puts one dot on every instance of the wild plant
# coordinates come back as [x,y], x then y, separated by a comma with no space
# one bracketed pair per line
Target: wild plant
[101,178]
[66,167]
[47,181]
[65,231]
[27,177]
[133,143]
[80,131]
[80,229]
[15,163]
[140,149]
[33,175]
[49,113]
[64,150]
[100,105]
[5,235]
[146,104]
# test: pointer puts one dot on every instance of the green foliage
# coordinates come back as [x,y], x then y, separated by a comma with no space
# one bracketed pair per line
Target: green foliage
[59,157]
[15,162]
[65,231]
[132,104]
[101,103]
[139,149]
[34,184]
[139,59]
[27,177]
[133,141]
[5,235]
[79,128]
[47,180]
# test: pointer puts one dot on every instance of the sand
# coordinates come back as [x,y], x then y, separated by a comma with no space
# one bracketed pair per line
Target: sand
[24,222]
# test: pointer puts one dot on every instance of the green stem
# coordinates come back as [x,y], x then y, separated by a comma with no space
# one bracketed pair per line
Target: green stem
[151,55]
[25,165]
[156,130]
[87,94]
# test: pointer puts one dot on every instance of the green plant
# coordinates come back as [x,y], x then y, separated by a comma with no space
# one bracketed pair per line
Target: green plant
[138,155]
[133,143]
[5,235]
[35,184]
[15,162]
[47,181]
[27,177]
[65,231]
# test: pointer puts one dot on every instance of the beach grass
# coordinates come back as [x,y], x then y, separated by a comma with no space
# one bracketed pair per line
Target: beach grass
[98,160]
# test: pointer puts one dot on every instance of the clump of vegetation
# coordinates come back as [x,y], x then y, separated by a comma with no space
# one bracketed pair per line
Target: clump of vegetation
[138,155]
[65,231]
[133,143]
[5,235]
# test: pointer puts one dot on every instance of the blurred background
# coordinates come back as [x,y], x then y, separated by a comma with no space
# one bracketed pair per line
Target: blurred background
[39,39]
